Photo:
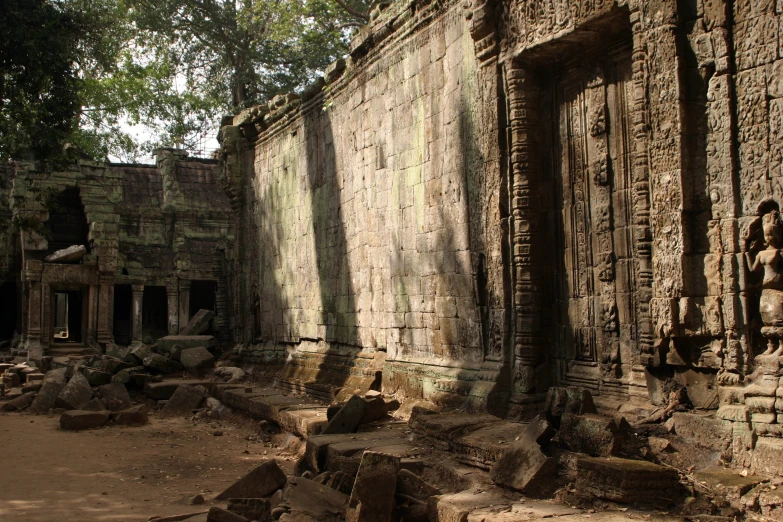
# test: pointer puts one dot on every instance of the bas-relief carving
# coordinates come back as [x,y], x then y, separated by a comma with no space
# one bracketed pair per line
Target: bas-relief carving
[770,262]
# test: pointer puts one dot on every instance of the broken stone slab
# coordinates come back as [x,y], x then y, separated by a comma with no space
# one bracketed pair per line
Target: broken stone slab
[317,447]
[457,507]
[341,482]
[231,374]
[372,497]
[133,416]
[114,396]
[729,483]
[414,486]
[186,399]
[217,514]
[83,420]
[348,419]
[96,377]
[199,323]
[32,387]
[260,482]
[95,404]
[75,394]
[525,468]
[67,255]
[116,352]
[46,397]
[627,481]
[20,403]
[162,363]
[308,498]
[197,359]
[34,377]
[250,508]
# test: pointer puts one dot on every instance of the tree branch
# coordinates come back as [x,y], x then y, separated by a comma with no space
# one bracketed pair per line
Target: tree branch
[352,11]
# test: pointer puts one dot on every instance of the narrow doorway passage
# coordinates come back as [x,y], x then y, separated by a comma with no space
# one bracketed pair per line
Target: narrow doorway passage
[122,314]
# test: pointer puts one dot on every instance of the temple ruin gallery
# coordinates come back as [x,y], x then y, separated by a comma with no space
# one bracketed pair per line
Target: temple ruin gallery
[483,201]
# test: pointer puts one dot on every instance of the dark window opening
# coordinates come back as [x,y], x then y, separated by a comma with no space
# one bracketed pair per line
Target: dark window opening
[67,314]
[67,224]
[123,299]
[8,310]
[154,312]
[203,296]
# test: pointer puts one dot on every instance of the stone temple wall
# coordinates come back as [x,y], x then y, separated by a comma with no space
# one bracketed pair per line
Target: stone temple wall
[373,206]
[497,197]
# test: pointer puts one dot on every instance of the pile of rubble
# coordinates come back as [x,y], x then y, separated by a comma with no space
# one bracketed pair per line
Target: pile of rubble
[90,391]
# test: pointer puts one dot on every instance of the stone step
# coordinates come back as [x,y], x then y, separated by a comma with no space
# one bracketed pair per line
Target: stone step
[627,481]
[297,414]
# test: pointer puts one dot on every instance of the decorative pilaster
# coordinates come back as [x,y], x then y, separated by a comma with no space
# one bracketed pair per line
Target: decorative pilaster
[522,99]
[184,302]
[136,313]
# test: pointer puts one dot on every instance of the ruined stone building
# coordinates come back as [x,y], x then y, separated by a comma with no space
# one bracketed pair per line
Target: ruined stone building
[490,198]
[153,238]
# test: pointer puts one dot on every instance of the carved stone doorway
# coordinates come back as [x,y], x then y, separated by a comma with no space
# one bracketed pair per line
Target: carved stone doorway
[593,309]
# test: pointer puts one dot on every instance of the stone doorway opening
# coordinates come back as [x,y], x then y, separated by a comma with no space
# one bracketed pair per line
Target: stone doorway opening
[203,297]
[155,318]
[8,310]
[123,298]
[69,317]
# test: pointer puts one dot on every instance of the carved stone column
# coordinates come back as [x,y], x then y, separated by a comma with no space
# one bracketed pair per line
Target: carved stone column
[184,302]
[136,313]
[32,275]
[172,294]
[525,173]
[105,309]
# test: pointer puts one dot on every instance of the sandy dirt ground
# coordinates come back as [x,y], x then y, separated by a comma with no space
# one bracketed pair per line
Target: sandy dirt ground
[120,473]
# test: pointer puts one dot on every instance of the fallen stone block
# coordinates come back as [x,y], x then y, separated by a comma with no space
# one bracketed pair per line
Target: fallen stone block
[525,468]
[372,498]
[197,360]
[375,410]
[163,390]
[348,419]
[46,397]
[414,486]
[11,379]
[199,323]
[165,344]
[457,506]
[307,498]
[250,508]
[96,377]
[573,400]
[729,483]
[260,482]
[20,403]
[186,399]
[128,375]
[75,394]
[627,481]
[95,404]
[115,351]
[133,416]
[13,393]
[591,434]
[217,514]
[137,354]
[56,375]
[317,447]
[115,396]
[32,387]
[33,378]
[83,420]
[114,365]
[162,363]
[67,255]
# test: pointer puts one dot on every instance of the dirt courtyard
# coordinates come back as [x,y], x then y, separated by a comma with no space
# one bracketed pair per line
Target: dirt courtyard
[119,473]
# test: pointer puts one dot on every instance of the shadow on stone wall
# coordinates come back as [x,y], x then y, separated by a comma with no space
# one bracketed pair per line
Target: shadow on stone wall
[337,293]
